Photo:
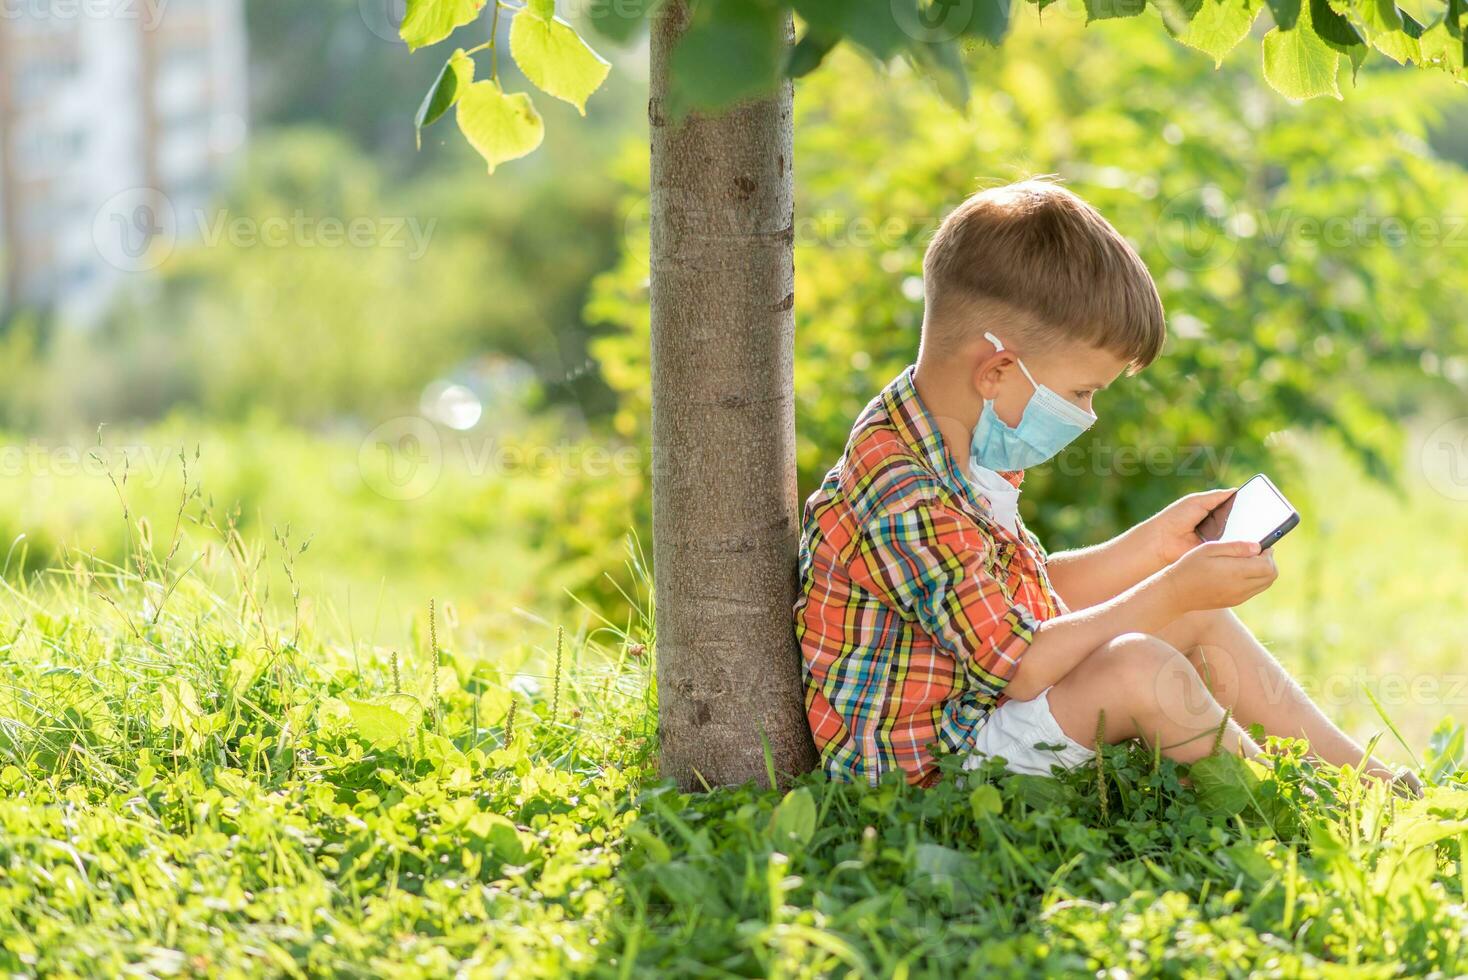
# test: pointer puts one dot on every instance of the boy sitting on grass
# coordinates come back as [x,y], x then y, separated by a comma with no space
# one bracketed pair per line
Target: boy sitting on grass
[930,616]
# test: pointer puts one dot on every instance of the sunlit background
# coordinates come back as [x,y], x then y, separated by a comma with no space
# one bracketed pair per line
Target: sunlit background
[231,282]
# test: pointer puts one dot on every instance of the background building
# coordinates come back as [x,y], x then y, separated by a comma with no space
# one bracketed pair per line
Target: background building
[116,119]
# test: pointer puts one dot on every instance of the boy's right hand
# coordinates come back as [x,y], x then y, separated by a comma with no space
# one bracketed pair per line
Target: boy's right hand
[1219,574]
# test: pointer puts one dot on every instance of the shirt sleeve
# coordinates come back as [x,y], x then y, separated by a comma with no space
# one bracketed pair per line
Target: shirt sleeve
[927,562]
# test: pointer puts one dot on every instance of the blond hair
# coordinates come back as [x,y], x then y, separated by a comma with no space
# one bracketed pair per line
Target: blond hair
[1047,261]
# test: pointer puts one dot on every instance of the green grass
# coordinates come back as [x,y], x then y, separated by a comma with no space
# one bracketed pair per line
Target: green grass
[198,780]
[1371,595]
[491,539]
[189,787]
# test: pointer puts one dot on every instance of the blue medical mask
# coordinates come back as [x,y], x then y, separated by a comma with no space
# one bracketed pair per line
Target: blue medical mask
[1049,424]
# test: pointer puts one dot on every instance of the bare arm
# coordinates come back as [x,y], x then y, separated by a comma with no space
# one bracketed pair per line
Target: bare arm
[1211,576]
[1090,576]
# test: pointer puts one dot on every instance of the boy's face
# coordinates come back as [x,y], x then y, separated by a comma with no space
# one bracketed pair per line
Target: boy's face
[1074,371]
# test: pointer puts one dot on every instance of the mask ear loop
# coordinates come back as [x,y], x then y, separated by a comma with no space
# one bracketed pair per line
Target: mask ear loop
[998,347]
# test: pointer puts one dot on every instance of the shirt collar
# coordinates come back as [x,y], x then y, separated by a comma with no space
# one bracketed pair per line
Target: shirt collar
[918,430]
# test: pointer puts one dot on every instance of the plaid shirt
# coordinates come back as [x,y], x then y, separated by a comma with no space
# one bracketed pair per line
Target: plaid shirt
[915,605]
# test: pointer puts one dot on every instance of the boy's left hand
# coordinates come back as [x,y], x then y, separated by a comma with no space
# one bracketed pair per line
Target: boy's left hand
[1171,531]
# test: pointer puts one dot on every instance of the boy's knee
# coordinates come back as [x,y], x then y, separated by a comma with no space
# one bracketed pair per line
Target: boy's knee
[1141,653]
[1152,671]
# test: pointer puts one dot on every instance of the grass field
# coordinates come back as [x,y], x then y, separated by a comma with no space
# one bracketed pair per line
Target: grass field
[494,538]
[1373,594]
[197,780]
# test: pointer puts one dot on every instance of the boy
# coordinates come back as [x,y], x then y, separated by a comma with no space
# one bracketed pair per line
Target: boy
[929,615]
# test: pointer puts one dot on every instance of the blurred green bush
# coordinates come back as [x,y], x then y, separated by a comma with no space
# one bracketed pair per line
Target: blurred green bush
[1310,256]
[498,523]
[318,289]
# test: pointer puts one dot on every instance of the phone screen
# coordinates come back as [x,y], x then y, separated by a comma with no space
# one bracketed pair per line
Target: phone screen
[1255,512]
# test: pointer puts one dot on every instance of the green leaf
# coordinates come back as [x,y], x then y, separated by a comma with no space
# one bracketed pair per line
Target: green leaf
[501,127]
[989,21]
[457,74]
[181,708]
[935,859]
[1286,13]
[494,704]
[1040,792]
[1112,9]
[1441,49]
[544,9]
[245,668]
[808,54]
[1445,750]
[1252,860]
[985,799]
[1457,17]
[943,64]
[1298,63]
[502,836]
[794,819]
[934,864]
[1337,32]
[385,722]
[1214,27]
[1442,802]
[731,51]
[1426,13]
[1224,783]
[876,25]
[441,751]
[429,21]
[555,59]
[1412,832]
[924,22]
[1381,23]
[1331,26]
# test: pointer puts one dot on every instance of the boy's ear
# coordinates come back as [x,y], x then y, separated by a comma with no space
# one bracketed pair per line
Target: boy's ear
[990,367]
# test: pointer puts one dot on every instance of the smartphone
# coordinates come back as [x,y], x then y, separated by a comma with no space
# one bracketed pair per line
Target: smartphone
[1256,511]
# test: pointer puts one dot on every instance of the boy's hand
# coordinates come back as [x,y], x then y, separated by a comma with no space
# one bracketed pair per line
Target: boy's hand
[1218,575]
[1172,529]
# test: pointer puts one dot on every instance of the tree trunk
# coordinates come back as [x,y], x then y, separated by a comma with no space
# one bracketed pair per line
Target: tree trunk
[725,521]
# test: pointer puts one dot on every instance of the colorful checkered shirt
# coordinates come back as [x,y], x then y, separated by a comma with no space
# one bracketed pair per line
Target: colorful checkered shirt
[915,605]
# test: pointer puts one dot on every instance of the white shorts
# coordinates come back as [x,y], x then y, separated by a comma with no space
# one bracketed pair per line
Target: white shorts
[1028,738]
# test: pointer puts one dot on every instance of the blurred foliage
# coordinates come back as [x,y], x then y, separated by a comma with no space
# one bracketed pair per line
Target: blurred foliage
[1348,630]
[1294,305]
[495,521]
[1309,255]
[310,62]
[314,289]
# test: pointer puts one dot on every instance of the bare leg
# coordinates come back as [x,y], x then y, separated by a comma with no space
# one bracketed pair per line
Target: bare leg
[1246,678]
[1150,691]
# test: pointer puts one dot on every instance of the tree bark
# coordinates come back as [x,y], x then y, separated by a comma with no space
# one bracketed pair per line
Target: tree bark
[725,524]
